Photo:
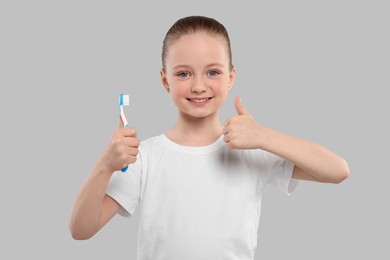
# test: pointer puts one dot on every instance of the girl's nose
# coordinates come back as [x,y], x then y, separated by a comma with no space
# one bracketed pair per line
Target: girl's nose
[198,86]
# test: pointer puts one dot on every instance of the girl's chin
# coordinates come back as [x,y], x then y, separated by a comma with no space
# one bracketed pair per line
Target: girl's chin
[199,115]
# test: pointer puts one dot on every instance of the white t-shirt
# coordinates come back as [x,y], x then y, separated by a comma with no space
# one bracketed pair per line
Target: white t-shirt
[198,203]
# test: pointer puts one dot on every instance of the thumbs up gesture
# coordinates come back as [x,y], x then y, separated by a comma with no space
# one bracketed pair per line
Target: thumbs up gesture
[122,149]
[242,131]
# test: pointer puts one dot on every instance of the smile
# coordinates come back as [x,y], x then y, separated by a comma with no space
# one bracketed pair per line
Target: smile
[199,101]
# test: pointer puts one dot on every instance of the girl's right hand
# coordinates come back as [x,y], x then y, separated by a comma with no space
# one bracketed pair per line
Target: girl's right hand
[122,149]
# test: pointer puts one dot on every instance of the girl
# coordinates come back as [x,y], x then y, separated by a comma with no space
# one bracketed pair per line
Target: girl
[201,182]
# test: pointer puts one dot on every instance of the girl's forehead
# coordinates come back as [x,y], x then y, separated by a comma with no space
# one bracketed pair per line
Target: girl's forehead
[198,46]
[199,37]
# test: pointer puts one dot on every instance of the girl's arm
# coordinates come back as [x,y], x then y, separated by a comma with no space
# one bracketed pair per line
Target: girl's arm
[312,161]
[93,208]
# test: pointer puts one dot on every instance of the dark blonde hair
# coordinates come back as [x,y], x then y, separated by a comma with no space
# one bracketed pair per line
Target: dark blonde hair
[191,25]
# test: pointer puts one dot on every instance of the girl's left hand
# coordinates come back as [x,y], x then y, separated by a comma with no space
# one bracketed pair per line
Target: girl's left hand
[242,131]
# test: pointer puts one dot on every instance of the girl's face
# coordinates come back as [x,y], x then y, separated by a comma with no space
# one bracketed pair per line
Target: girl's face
[197,74]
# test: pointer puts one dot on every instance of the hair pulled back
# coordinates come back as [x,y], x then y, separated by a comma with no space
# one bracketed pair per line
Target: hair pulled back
[191,25]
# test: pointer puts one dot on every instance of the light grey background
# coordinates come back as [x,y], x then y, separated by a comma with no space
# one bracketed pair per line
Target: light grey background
[318,70]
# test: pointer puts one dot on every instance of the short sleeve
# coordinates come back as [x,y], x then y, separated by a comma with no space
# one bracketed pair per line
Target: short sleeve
[125,187]
[279,172]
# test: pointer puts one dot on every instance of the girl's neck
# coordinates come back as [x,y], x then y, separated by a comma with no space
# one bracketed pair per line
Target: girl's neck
[192,131]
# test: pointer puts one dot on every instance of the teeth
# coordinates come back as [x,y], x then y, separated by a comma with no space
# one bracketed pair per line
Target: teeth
[199,100]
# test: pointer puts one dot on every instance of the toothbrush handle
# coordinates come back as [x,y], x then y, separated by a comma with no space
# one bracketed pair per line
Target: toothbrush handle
[125,169]
[125,125]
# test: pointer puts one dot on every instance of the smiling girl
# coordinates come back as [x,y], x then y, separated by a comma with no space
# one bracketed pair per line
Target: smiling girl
[200,184]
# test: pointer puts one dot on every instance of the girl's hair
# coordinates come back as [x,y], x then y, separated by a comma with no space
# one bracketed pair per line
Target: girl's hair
[191,25]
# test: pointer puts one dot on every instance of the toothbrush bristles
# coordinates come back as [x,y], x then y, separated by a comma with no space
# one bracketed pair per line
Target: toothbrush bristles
[126,100]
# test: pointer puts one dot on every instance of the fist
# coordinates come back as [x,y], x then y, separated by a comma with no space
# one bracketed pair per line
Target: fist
[122,149]
[242,131]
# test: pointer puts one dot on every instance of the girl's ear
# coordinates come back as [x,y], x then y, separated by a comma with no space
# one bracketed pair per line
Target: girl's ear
[232,76]
[164,80]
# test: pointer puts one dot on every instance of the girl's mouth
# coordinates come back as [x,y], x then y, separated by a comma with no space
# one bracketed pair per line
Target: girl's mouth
[199,101]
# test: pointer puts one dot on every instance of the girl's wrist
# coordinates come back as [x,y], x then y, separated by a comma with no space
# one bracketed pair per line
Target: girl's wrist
[102,169]
[264,138]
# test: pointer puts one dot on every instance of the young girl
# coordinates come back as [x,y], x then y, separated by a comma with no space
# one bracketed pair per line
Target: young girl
[199,184]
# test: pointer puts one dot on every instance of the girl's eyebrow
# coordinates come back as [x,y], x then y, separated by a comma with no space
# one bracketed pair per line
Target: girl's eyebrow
[215,65]
[207,66]
[180,66]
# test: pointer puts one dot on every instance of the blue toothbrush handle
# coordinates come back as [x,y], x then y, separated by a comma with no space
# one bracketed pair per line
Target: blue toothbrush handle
[125,169]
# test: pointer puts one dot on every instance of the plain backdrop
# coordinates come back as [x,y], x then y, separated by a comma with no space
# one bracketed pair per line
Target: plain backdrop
[318,70]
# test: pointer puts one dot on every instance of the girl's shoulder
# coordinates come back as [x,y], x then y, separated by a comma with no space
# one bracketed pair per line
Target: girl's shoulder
[150,141]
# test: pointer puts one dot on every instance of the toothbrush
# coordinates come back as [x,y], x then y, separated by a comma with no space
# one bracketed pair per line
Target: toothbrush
[123,101]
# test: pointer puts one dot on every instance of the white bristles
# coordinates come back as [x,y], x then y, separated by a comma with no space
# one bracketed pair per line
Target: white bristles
[126,100]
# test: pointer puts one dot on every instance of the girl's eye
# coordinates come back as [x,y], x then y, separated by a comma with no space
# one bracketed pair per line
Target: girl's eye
[213,73]
[183,74]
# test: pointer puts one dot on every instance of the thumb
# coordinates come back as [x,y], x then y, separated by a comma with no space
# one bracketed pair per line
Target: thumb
[241,110]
